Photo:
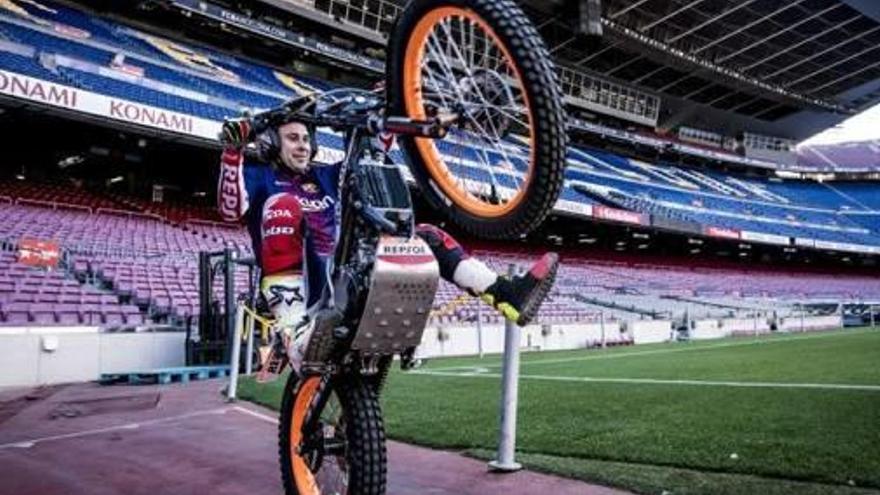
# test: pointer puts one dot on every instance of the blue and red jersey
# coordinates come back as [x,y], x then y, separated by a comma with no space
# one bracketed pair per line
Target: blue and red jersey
[245,188]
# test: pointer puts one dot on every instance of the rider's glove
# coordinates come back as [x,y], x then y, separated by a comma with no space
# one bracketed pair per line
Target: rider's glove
[237,132]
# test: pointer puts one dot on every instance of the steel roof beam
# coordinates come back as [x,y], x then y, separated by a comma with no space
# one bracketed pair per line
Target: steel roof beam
[712,20]
[746,27]
[820,53]
[698,91]
[682,78]
[723,97]
[843,77]
[745,103]
[649,74]
[792,47]
[826,68]
[625,64]
[627,9]
[596,54]
[668,16]
[562,45]
[767,110]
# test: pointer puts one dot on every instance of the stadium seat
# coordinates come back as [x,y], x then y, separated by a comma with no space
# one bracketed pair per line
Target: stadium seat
[114,318]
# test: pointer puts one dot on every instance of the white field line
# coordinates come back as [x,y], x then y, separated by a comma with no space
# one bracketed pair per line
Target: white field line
[261,416]
[653,381]
[26,444]
[685,347]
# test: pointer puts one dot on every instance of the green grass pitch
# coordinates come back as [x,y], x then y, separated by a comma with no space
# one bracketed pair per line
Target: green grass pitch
[795,413]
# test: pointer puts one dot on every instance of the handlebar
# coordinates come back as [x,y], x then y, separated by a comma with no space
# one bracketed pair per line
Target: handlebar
[371,120]
[435,127]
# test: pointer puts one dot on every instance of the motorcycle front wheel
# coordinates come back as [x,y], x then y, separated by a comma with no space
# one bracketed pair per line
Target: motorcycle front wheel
[344,452]
[499,170]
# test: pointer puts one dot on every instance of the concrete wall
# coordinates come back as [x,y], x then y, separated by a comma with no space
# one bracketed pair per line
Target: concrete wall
[43,355]
[745,325]
[795,324]
[715,329]
[708,329]
[462,340]
[650,331]
[34,356]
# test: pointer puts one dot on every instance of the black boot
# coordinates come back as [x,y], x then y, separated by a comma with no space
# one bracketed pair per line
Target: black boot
[520,298]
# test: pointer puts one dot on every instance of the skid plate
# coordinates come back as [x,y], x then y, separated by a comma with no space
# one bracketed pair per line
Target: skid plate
[402,289]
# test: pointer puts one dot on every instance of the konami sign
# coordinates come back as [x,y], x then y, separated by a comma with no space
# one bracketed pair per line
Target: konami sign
[58,95]
[37,90]
[616,215]
[153,117]
[722,232]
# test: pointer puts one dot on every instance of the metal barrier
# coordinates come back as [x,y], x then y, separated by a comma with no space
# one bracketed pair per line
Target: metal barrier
[216,326]
[375,15]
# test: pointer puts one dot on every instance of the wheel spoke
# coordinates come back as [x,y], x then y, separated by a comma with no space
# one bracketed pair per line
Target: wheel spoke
[495,139]
[484,164]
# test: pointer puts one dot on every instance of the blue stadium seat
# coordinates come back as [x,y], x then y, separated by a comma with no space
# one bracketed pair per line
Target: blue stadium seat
[782,207]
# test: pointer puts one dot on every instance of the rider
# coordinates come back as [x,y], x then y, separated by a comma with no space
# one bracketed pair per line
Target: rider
[288,202]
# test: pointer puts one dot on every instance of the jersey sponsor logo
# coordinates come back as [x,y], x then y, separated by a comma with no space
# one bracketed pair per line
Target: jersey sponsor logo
[233,197]
[278,230]
[315,205]
[283,213]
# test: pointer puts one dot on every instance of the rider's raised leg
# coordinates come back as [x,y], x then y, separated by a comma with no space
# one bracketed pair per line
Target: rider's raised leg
[281,259]
[517,298]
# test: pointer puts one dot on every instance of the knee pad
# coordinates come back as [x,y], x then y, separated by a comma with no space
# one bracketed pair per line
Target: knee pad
[446,249]
[284,296]
[437,238]
[281,247]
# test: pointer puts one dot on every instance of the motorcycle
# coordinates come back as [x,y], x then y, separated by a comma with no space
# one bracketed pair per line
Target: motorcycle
[472,97]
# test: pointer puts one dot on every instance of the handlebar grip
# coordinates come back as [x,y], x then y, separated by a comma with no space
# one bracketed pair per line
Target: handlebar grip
[254,124]
[236,132]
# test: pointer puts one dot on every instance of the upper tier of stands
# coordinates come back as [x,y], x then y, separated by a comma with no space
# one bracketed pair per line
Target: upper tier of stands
[65,46]
[840,212]
[858,156]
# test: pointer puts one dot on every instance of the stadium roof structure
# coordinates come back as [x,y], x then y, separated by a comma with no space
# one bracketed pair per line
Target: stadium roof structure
[787,68]
[784,67]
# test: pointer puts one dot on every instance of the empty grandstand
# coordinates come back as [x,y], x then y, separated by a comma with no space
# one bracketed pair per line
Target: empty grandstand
[684,199]
[693,209]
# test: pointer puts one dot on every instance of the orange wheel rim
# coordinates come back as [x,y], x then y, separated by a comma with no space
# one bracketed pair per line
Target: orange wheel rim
[414,59]
[302,474]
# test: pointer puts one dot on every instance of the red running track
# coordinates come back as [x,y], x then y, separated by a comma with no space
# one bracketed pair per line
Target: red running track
[185,439]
